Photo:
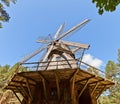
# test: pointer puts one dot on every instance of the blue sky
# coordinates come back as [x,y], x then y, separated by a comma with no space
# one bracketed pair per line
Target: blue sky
[31,19]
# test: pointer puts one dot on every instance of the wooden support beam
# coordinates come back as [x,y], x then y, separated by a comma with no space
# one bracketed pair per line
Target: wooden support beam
[85,86]
[48,62]
[21,92]
[42,76]
[63,49]
[25,91]
[29,91]
[23,83]
[48,52]
[74,73]
[73,89]
[17,97]
[80,59]
[20,74]
[94,89]
[72,83]
[96,81]
[44,85]
[85,79]
[57,84]
[104,87]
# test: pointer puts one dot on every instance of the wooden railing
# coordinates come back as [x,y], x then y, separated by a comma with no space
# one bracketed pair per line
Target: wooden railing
[62,64]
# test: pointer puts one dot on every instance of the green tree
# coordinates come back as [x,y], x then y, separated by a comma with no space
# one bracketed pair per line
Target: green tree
[5,73]
[4,16]
[3,76]
[113,73]
[106,5]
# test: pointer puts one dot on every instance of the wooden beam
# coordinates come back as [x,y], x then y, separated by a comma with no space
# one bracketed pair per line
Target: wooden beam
[29,91]
[73,74]
[22,94]
[73,29]
[75,49]
[48,52]
[17,97]
[85,79]
[20,74]
[48,62]
[42,76]
[63,49]
[94,89]
[85,86]
[86,46]
[101,91]
[59,31]
[72,82]
[25,91]
[57,84]
[96,81]
[23,83]
[44,85]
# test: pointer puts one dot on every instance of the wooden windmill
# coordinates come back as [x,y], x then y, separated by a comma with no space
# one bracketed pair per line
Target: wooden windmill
[59,77]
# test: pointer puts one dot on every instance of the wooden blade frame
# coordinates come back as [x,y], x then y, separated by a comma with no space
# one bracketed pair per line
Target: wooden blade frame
[85,46]
[33,54]
[59,31]
[73,29]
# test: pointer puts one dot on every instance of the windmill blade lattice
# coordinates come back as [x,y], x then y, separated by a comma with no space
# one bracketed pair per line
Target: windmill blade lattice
[73,29]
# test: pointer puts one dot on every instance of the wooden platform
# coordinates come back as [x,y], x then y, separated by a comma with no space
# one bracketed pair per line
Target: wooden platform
[80,80]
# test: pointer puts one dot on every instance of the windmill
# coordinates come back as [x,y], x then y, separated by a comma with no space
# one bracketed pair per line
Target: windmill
[58,49]
[59,77]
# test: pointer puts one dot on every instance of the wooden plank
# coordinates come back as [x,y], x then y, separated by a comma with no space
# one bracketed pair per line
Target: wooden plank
[23,83]
[17,97]
[94,88]
[85,79]
[85,86]
[21,75]
[29,91]
[85,46]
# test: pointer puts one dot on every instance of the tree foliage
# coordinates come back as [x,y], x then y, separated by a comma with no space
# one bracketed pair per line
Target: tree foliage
[102,5]
[112,73]
[106,5]
[4,16]
[5,73]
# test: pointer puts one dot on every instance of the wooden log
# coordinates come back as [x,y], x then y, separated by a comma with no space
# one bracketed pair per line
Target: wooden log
[85,86]
[94,89]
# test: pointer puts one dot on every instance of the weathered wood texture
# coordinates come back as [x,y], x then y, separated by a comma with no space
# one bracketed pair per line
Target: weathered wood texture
[69,86]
